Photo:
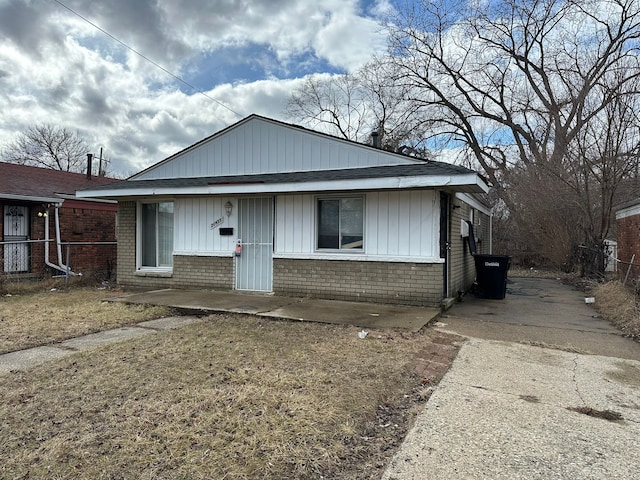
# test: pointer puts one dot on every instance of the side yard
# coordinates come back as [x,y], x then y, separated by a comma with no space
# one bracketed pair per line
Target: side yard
[620,306]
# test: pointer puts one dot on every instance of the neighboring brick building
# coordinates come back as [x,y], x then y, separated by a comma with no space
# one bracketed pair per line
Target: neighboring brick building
[30,199]
[628,225]
[270,207]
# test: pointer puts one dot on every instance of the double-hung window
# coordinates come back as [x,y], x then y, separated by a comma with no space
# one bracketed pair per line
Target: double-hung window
[340,223]
[156,235]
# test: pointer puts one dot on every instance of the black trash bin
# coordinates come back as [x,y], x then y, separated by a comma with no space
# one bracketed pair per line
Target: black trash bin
[491,275]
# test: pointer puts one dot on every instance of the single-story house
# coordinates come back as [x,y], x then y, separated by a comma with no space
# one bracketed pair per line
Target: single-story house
[267,206]
[41,215]
[628,227]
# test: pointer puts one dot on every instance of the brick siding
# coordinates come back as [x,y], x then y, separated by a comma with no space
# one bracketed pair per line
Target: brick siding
[399,283]
[203,272]
[629,244]
[462,270]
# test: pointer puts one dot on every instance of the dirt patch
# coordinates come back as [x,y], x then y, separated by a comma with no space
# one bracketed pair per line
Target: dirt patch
[530,398]
[381,438]
[604,414]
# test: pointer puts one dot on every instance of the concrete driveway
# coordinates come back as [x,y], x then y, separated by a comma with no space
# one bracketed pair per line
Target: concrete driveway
[542,389]
[542,312]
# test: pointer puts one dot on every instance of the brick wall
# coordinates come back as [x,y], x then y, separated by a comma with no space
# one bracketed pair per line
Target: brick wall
[203,272]
[88,225]
[400,283]
[629,244]
[76,225]
[462,270]
[126,242]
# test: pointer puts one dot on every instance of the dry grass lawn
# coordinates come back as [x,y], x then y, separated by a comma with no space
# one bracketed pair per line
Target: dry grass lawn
[29,319]
[620,306]
[230,397]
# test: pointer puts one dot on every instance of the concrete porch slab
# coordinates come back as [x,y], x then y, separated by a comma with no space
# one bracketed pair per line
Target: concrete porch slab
[365,315]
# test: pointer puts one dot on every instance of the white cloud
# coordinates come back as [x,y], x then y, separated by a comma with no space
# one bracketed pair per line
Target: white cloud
[56,68]
[362,34]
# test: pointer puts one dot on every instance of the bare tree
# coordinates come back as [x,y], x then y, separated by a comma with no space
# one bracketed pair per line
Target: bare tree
[355,105]
[546,87]
[332,103]
[48,146]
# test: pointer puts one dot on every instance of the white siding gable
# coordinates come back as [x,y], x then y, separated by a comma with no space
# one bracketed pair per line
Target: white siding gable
[258,145]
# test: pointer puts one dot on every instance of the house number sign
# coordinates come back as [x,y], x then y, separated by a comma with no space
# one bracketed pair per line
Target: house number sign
[217,223]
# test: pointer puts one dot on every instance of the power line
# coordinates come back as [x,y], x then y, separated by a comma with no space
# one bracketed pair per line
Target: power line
[147,58]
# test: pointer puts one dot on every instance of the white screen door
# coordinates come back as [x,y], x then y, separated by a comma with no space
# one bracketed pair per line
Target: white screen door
[16,229]
[254,266]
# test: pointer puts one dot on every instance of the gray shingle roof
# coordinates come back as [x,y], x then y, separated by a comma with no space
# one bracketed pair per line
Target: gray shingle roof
[429,168]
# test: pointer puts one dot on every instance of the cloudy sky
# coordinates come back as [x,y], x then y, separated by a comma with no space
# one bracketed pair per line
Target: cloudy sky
[244,55]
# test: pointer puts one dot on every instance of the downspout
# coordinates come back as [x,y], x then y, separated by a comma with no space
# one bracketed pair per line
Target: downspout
[491,232]
[58,245]
[46,246]
[59,266]
[65,268]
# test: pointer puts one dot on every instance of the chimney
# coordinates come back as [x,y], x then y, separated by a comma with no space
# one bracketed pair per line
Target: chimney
[374,140]
[89,159]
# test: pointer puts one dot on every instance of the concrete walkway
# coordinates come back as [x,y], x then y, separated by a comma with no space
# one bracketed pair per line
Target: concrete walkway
[24,359]
[514,410]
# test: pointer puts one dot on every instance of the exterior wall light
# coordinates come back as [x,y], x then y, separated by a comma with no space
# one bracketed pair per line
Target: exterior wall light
[228,208]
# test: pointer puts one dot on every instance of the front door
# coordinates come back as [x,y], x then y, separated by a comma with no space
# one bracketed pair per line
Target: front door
[254,265]
[16,229]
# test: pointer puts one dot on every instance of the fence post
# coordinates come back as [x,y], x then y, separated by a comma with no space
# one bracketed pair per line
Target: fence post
[66,278]
[633,257]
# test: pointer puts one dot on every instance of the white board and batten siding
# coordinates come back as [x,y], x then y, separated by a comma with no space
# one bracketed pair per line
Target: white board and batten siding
[197,226]
[398,226]
[258,145]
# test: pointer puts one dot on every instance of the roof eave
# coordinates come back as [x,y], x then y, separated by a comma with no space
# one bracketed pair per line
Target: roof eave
[468,183]
[30,198]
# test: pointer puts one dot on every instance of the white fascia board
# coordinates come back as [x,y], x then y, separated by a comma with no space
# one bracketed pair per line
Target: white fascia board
[628,212]
[30,198]
[397,183]
[88,199]
[468,199]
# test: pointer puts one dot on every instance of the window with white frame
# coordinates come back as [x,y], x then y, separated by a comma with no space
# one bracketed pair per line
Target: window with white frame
[340,223]
[156,235]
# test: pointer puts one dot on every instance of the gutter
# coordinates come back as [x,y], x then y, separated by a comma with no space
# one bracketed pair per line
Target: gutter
[29,198]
